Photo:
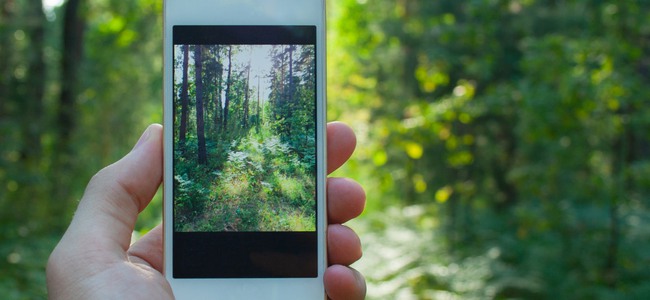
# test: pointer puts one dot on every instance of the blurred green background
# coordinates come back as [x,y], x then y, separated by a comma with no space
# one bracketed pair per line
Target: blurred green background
[504,144]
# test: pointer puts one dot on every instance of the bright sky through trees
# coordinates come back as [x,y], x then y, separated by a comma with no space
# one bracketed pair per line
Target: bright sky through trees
[51,4]
[260,60]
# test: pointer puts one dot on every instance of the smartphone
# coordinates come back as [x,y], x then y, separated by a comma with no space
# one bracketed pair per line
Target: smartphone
[244,140]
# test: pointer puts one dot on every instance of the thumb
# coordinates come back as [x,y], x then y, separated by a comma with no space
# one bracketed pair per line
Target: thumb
[115,195]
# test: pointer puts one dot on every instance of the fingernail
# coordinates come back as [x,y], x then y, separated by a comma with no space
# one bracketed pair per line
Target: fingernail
[143,138]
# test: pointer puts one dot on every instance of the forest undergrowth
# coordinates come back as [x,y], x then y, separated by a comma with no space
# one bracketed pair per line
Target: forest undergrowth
[260,186]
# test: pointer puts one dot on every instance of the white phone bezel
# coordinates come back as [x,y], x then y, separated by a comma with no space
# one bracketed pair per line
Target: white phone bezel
[245,12]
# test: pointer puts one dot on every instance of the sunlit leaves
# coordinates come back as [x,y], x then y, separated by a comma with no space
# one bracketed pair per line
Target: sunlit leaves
[443,194]
[430,78]
[380,158]
[419,183]
[414,150]
[460,159]
[518,106]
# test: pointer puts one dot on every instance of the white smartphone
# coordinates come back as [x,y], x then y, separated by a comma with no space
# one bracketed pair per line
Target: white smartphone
[244,149]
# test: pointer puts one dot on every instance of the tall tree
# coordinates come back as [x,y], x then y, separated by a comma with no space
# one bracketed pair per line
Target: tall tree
[7,13]
[226,106]
[184,96]
[67,116]
[290,89]
[291,48]
[258,111]
[247,94]
[218,108]
[198,61]
[283,91]
[278,91]
[34,85]
[73,28]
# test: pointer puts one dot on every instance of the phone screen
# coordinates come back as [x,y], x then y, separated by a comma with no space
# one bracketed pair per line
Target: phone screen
[244,152]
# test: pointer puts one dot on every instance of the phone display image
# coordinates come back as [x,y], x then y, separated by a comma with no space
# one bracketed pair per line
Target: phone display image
[244,155]
[244,140]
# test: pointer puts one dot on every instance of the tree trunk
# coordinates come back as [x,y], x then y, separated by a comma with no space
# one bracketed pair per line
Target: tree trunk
[228,85]
[283,91]
[32,88]
[7,19]
[33,118]
[72,49]
[290,91]
[247,95]
[184,97]
[217,99]
[73,27]
[198,61]
[259,111]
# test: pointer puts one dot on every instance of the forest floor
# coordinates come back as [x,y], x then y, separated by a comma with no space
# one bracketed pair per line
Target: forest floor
[261,186]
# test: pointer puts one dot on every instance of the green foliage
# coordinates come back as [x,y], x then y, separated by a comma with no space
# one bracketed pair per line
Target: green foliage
[292,96]
[516,125]
[117,94]
[260,169]
[190,195]
[24,255]
[262,186]
[503,144]
[429,273]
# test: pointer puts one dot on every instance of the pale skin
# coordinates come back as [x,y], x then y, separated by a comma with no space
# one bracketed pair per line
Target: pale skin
[95,260]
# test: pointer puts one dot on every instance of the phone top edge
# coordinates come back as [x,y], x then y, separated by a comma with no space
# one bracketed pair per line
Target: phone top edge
[245,12]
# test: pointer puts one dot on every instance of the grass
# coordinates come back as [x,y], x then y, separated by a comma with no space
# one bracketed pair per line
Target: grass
[261,186]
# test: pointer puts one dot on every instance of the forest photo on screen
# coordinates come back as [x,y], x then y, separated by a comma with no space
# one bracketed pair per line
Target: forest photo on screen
[244,138]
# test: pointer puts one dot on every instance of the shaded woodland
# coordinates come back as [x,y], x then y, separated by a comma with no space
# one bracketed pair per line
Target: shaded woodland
[244,146]
[78,85]
[504,144]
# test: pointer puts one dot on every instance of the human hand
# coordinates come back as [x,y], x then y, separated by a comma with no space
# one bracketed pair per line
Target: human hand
[95,260]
